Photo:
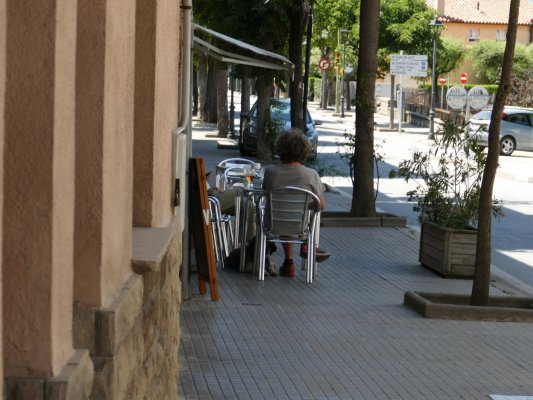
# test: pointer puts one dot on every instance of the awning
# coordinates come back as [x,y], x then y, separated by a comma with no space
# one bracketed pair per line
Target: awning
[277,61]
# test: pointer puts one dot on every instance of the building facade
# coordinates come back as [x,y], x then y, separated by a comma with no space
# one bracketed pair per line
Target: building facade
[92,106]
[475,20]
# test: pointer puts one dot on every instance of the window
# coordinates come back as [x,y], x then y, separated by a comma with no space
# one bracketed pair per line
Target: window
[473,35]
[500,34]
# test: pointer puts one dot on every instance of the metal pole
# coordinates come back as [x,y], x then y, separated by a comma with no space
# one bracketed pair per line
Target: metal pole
[431,134]
[342,77]
[231,106]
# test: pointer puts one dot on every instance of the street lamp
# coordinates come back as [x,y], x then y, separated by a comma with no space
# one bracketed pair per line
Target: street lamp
[343,71]
[436,25]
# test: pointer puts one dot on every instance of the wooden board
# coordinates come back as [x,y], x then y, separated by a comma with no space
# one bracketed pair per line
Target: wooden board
[200,228]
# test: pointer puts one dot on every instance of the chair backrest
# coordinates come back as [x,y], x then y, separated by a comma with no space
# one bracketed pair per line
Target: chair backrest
[231,176]
[222,166]
[287,212]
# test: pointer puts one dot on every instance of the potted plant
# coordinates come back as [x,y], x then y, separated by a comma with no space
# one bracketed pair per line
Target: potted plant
[448,180]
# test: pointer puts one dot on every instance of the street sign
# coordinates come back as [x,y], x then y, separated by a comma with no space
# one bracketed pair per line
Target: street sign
[442,80]
[456,97]
[463,77]
[478,97]
[324,64]
[411,65]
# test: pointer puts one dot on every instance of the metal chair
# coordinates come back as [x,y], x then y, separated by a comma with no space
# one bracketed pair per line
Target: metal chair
[220,182]
[284,216]
[221,226]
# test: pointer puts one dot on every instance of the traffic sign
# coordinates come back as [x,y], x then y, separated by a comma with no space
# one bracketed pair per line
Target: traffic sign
[324,64]
[442,80]
[464,77]
[456,97]
[478,97]
[411,65]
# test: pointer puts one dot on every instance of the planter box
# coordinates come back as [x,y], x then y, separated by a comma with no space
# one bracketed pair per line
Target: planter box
[343,219]
[449,252]
[456,306]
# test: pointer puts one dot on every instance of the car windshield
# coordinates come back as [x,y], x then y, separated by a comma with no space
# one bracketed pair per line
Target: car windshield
[281,111]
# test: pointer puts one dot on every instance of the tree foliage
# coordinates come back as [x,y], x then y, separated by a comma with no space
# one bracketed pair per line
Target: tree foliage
[522,89]
[487,59]
[404,25]
[451,53]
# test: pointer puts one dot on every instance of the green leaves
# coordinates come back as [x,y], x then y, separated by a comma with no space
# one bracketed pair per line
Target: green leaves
[448,179]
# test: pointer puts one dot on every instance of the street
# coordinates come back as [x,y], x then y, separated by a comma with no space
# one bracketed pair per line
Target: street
[512,242]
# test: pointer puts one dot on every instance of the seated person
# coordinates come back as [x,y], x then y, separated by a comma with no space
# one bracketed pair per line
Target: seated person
[293,148]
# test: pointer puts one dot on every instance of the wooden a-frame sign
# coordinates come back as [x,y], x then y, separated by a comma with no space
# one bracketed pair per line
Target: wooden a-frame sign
[200,228]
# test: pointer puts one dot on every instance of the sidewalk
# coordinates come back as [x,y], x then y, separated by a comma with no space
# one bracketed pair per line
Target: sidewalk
[347,335]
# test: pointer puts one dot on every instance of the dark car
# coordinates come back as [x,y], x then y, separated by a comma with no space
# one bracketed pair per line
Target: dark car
[516,129]
[280,110]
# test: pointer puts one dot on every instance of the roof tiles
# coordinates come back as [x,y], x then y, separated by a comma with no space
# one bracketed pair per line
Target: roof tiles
[482,11]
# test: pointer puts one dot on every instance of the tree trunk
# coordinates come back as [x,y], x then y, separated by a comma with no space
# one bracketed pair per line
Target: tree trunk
[202,89]
[363,201]
[222,101]
[296,38]
[264,145]
[481,282]
[245,95]
[211,100]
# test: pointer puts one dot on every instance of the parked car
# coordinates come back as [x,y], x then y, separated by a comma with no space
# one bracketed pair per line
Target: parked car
[516,130]
[280,110]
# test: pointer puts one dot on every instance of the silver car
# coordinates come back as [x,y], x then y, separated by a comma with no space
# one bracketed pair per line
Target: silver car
[516,130]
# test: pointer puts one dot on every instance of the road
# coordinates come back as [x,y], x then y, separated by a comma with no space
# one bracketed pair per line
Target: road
[512,241]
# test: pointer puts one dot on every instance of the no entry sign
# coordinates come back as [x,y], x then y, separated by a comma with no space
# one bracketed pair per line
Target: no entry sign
[464,77]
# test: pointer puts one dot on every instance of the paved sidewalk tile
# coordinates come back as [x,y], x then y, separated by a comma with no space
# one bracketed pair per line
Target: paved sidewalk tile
[347,335]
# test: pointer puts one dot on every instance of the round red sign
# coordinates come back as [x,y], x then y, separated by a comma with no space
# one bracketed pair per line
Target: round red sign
[442,80]
[464,77]
[324,64]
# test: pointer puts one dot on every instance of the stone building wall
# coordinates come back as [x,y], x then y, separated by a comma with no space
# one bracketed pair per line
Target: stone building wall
[90,273]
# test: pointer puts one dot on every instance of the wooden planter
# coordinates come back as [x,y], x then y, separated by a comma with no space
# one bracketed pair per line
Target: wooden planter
[449,252]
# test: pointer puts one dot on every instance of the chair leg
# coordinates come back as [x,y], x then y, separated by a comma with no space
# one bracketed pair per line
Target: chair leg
[260,255]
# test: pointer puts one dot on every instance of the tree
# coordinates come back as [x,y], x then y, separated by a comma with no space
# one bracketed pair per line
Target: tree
[487,58]
[522,89]
[363,200]
[404,26]
[329,17]
[451,53]
[481,282]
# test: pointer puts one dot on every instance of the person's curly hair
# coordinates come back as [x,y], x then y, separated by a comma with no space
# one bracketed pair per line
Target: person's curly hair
[292,146]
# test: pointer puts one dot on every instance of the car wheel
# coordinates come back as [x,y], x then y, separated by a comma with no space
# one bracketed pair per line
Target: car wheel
[507,146]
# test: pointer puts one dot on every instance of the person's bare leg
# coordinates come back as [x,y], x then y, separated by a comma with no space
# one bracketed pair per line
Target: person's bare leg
[288,269]
[288,248]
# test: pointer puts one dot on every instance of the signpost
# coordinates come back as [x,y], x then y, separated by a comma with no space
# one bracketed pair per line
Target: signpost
[463,77]
[410,65]
[478,97]
[324,64]
[442,82]
[456,97]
